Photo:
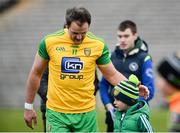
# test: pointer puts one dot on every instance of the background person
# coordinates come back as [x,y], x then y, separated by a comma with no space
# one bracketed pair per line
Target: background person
[129,57]
[169,83]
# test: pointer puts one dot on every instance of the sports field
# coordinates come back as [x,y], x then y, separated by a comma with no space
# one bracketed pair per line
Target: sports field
[12,120]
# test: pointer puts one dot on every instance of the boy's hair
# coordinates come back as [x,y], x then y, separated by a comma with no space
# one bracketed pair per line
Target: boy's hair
[128,24]
[80,14]
[169,69]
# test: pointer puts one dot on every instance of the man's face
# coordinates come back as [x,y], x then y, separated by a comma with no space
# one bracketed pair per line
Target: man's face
[126,39]
[77,31]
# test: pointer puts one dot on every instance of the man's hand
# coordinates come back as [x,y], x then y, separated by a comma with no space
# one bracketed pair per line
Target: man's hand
[143,91]
[111,109]
[30,118]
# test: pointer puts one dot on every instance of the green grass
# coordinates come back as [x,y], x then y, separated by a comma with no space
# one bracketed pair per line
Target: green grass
[160,120]
[12,120]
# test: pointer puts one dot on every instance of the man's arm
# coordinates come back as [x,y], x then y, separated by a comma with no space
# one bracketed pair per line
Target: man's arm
[34,78]
[114,77]
[111,74]
[32,87]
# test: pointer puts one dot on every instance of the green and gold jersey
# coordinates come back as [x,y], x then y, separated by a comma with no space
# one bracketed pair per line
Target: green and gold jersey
[72,70]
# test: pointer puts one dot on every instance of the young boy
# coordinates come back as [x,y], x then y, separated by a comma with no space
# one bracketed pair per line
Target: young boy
[131,115]
[169,69]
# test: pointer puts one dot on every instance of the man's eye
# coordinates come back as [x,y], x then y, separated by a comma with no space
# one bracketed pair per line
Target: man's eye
[84,33]
[119,36]
[126,36]
[75,33]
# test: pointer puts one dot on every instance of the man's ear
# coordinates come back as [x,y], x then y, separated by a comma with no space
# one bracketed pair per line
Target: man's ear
[135,36]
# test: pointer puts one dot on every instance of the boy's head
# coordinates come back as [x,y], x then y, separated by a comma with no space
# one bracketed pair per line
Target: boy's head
[126,93]
[169,69]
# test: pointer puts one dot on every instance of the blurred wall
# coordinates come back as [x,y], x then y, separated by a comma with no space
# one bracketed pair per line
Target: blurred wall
[22,27]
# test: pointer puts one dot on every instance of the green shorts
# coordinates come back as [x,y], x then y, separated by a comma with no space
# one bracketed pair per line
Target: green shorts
[64,122]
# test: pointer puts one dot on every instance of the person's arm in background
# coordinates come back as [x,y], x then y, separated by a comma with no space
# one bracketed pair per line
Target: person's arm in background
[104,86]
[96,83]
[104,93]
[44,85]
[148,77]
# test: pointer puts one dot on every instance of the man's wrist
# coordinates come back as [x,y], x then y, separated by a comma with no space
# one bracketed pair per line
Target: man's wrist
[28,106]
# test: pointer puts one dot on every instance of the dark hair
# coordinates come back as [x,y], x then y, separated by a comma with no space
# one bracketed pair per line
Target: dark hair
[169,69]
[128,24]
[80,14]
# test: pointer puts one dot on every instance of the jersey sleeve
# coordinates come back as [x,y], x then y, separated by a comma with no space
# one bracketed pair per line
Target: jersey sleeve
[105,57]
[144,125]
[42,50]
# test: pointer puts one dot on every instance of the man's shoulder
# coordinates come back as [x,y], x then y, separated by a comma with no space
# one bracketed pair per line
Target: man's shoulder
[144,56]
[55,37]
[90,35]
[55,34]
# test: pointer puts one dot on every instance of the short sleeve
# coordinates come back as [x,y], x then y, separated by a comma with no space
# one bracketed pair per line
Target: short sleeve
[42,50]
[105,57]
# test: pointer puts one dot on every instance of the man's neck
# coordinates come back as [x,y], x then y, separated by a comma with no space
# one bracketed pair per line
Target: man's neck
[129,49]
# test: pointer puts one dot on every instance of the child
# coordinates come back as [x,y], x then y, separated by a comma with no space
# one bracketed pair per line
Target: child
[169,69]
[131,115]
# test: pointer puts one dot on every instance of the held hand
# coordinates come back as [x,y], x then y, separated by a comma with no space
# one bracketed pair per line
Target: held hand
[143,91]
[112,112]
[30,118]
[111,109]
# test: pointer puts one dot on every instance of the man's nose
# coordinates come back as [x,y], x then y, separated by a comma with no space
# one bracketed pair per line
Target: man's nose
[122,39]
[79,36]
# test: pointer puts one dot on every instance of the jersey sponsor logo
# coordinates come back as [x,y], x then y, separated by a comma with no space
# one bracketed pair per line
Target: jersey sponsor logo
[72,66]
[133,66]
[71,76]
[87,51]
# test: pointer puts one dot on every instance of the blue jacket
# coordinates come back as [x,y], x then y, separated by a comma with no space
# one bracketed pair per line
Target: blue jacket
[138,62]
